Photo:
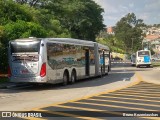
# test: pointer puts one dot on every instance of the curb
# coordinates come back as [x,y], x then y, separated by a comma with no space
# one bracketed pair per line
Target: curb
[140,77]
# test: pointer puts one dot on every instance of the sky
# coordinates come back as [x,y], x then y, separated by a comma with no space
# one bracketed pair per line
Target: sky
[114,10]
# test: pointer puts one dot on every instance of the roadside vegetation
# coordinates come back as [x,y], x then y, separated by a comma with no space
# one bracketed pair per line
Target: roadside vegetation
[79,19]
[156,64]
[127,36]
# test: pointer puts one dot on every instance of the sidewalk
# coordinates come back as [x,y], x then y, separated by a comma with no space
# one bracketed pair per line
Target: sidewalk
[81,90]
[151,76]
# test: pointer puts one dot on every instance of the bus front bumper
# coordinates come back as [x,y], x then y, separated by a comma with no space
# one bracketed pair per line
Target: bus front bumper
[143,64]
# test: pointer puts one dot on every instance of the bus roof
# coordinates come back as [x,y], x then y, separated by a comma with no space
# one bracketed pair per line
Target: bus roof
[71,41]
[27,39]
[66,40]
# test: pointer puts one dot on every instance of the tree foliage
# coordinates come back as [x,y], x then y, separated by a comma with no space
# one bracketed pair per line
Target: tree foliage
[30,2]
[82,18]
[128,30]
[111,41]
[47,18]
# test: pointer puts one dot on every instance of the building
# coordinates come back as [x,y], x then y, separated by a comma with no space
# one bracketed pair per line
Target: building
[152,41]
[110,30]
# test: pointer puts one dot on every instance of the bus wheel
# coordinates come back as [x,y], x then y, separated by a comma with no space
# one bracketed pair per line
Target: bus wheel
[73,77]
[65,79]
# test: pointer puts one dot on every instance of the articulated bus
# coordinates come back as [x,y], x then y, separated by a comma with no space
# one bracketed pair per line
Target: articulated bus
[56,60]
[143,58]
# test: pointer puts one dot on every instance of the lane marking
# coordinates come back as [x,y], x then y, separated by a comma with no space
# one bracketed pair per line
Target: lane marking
[139,91]
[90,109]
[136,93]
[97,94]
[89,96]
[147,86]
[69,115]
[140,99]
[116,101]
[142,89]
[115,106]
[142,96]
[63,114]
[144,83]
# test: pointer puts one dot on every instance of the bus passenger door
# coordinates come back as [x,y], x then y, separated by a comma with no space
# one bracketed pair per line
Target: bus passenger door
[87,67]
[102,62]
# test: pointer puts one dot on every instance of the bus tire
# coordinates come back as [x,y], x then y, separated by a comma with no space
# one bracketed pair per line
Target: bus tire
[73,77]
[65,78]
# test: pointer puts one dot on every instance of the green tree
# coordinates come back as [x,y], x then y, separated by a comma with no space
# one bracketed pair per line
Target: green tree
[128,29]
[111,41]
[22,29]
[14,30]
[43,16]
[82,18]
[78,18]
[15,22]
[30,2]
[9,11]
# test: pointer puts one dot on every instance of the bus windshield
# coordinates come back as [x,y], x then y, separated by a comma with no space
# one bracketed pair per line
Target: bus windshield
[143,53]
[25,47]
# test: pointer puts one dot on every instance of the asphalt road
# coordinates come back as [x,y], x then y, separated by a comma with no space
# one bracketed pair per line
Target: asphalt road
[126,91]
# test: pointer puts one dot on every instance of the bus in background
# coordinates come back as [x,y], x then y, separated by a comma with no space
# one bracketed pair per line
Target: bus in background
[133,59]
[143,58]
[105,59]
[56,60]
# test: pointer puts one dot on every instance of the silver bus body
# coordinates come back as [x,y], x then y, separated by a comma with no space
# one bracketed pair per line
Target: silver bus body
[47,60]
